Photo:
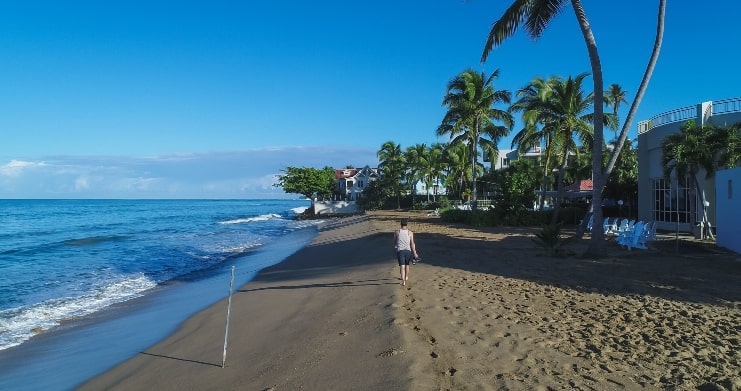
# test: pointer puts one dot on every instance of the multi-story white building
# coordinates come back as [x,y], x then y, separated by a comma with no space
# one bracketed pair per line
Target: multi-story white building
[671,204]
[352,181]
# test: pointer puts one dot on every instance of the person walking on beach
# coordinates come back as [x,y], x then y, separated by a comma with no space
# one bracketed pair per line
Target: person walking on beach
[406,250]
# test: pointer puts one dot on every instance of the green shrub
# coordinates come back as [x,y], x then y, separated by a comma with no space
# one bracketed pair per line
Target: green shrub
[550,239]
[455,216]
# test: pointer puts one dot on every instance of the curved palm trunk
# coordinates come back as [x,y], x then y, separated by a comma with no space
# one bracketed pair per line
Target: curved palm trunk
[631,113]
[597,240]
[641,89]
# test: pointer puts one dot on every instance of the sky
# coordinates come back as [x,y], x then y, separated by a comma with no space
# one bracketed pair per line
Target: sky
[212,99]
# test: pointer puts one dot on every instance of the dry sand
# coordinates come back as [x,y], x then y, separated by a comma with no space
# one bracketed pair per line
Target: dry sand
[485,310]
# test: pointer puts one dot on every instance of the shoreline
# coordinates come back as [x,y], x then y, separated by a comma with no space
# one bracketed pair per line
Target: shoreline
[321,319]
[86,347]
[486,309]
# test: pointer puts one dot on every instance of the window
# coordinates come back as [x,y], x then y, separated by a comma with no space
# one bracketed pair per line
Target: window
[730,189]
[671,204]
[349,184]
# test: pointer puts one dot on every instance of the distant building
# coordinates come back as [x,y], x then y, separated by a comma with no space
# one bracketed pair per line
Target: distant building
[507,156]
[352,181]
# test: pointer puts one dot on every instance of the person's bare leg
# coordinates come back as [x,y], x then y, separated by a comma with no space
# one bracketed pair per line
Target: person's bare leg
[402,271]
[406,272]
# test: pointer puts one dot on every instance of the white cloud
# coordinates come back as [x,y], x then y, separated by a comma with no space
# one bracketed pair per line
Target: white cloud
[231,174]
[15,168]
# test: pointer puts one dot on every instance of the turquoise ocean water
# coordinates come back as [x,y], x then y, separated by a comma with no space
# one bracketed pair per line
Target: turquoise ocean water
[86,284]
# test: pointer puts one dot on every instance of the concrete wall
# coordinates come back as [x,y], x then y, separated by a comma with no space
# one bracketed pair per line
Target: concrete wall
[335,207]
[728,199]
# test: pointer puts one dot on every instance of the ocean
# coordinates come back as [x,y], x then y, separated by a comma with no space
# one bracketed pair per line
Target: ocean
[86,284]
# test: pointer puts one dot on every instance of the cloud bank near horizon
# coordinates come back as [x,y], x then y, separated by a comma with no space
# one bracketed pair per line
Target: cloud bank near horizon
[215,175]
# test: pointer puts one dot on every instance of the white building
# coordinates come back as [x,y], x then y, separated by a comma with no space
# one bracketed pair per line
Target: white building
[657,198]
[352,181]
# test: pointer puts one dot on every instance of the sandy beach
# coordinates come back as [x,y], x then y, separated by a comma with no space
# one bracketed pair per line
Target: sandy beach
[485,310]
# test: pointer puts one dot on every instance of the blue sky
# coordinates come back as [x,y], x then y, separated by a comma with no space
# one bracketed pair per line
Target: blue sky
[156,99]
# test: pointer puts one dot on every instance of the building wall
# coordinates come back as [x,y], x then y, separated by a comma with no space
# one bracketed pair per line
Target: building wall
[335,207]
[650,135]
[728,199]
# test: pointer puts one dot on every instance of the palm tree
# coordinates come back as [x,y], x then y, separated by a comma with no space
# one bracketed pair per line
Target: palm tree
[417,158]
[533,134]
[615,96]
[567,115]
[392,166]
[536,14]
[455,157]
[471,116]
[434,173]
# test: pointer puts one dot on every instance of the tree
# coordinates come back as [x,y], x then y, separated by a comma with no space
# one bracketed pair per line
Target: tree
[455,157]
[307,181]
[418,166]
[437,165]
[471,116]
[536,14]
[533,134]
[515,185]
[614,97]
[392,166]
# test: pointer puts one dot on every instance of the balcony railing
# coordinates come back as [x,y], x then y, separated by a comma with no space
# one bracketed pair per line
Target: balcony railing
[724,106]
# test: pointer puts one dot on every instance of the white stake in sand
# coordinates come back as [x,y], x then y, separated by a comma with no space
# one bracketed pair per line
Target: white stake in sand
[228,312]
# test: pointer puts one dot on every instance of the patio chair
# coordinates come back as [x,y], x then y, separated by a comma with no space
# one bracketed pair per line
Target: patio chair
[635,238]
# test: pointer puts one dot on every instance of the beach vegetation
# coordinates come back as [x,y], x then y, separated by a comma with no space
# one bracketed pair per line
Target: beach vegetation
[534,16]
[550,239]
[377,195]
[472,118]
[393,167]
[312,183]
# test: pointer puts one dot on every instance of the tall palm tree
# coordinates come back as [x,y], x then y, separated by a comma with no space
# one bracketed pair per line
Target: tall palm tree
[533,134]
[568,116]
[615,96]
[471,99]
[536,14]
[392,165]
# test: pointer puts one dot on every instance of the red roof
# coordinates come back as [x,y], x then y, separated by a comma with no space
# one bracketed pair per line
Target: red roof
[582,185]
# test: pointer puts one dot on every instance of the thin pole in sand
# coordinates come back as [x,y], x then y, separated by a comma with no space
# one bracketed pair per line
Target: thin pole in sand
[228,312]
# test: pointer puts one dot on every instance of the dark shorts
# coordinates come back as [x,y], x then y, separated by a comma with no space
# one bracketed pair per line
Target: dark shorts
[404,257]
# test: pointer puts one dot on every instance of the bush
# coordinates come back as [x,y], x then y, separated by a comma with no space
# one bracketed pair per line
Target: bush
[550,239]
[455,216]
[571,214]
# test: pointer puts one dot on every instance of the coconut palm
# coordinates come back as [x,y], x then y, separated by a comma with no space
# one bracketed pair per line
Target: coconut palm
[392,165]
[417,158]
[533,134]
[615,96]
[567,115]
[434,175]
[455,157]
[535,15]
[471,116]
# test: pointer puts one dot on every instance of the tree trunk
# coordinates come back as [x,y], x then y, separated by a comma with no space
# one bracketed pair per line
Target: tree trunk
[641,89]
[559,187]
[597,240]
